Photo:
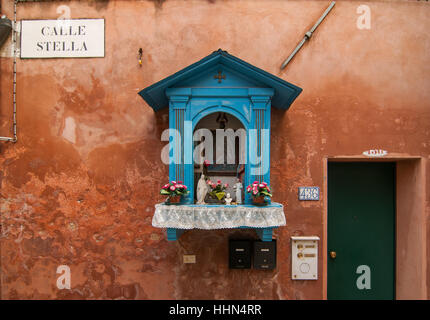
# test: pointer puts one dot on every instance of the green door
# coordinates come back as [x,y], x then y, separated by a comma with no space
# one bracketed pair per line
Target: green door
[361,230]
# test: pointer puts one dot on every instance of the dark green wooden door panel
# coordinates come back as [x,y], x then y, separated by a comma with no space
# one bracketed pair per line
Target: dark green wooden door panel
[361,230]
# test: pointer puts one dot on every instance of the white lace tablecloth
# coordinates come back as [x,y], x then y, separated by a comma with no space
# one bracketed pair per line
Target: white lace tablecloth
[218,216]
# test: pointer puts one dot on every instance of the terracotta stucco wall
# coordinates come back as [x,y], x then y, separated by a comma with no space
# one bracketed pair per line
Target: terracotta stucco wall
[79,186]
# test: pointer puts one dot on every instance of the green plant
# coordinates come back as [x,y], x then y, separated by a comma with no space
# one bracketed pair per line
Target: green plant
[217,190]
[258,189]
[174,188]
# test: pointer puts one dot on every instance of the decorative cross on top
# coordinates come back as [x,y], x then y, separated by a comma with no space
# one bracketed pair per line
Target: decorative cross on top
[219,76]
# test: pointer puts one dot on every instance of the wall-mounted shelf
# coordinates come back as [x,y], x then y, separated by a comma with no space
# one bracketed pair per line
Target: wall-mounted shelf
[177,219]
[265,234]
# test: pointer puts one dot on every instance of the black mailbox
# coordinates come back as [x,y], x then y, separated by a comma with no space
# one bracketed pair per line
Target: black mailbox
[240,254]
[265,255]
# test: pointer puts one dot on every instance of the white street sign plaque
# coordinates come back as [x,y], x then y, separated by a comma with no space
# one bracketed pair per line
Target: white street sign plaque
[75,38]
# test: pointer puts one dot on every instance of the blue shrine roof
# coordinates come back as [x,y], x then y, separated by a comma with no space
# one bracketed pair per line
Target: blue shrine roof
[234,73]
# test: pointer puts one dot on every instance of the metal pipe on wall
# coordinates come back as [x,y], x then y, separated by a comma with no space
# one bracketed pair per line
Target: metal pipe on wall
[308,34]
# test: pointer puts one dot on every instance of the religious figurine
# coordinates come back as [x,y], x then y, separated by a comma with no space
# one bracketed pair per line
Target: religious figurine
[202,190]
[238,188]
[222,120]
[228,199]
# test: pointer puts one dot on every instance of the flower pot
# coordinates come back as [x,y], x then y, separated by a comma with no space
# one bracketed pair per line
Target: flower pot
[259,201]
[215,198]
[173,199]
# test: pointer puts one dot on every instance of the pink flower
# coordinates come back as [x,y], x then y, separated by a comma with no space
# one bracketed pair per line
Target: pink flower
[180,182]
[165,186]
[256,182]
[173,182]
[248,189]
[219,182]
[255,191]
[185,187]
[261,185]
[268,189]
[264,183]
[209,182]
[172,188]
[226,185]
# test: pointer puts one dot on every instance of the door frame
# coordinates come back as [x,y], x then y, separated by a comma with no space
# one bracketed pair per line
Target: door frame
[411,259]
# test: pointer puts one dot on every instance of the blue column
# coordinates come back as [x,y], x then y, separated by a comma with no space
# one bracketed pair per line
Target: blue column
[177,116]
[259,138]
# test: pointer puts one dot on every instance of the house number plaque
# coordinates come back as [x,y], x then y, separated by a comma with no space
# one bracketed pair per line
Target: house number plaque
[309,193]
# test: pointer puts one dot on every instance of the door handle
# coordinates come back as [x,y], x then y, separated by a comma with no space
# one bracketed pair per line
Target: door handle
[333,254]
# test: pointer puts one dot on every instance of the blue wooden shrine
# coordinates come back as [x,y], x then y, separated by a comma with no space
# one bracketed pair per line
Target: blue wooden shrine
[220,82]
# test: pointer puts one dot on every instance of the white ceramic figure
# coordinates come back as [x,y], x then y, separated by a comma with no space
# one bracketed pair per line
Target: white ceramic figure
[228,199]
[238,188]
[202,190]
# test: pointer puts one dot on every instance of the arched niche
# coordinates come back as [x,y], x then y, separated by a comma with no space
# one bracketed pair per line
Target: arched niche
[220,138]
[251,106]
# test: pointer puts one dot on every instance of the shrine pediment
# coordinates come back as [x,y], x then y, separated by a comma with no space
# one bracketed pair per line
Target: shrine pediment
[220,76]
[221,70]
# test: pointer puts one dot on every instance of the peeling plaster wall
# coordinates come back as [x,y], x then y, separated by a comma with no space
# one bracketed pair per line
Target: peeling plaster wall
[80,185]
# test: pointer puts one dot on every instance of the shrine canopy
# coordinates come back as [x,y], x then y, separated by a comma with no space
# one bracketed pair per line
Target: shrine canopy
[221,70]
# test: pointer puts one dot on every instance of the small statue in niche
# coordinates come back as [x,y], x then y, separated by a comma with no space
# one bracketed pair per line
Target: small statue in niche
[228,199]
[222,120]
[202,190]
[238,189]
